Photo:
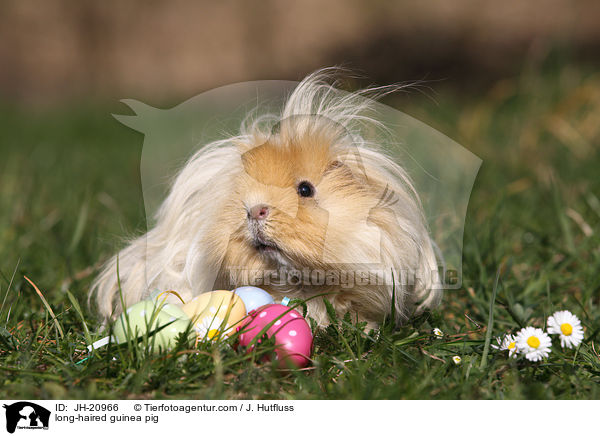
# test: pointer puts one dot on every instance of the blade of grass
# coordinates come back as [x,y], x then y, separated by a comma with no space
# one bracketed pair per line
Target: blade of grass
[28,372]
[562,218]
[8,290]
[77,308]
[488,333]
[56,323]
[79,227]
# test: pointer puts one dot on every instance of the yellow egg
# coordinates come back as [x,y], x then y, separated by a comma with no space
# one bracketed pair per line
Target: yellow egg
[214,313]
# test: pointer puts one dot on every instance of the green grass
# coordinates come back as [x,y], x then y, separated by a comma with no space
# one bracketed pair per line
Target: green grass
[70,190]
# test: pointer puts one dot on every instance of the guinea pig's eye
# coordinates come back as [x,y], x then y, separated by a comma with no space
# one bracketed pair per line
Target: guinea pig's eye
[306,189]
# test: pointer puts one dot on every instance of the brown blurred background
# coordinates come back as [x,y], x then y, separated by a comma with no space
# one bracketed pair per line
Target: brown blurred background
[62,50]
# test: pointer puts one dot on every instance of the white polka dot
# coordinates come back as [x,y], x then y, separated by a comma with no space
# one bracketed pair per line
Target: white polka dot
[142,313]
[213,309]
[172,319]
[263,314]
[293,333]
[293,315]
[128,310]
[278,322]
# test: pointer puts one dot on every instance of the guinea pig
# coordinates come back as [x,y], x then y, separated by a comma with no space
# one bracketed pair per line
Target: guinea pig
[300,203]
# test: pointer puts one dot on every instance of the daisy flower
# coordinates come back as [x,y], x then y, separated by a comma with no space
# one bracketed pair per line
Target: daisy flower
[568,326]
[534,343]
[208,327]
[508,342]
[457,360]
[438,333]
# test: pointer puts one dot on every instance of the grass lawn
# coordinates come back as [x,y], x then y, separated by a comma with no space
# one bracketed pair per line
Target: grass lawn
[70,190]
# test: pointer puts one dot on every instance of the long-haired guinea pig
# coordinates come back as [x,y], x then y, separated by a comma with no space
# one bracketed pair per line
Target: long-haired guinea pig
[299,203]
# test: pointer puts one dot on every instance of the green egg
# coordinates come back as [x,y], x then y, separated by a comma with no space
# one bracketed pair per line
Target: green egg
[149,315]
[174,311]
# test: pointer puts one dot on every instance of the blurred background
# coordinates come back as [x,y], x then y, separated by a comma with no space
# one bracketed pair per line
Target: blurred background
[60,50]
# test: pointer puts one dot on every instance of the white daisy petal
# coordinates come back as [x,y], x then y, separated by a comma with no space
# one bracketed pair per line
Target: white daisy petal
[208,327]
[567,326]
[507,342]
[534,343]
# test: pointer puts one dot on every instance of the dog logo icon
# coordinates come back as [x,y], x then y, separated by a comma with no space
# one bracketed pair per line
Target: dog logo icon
[26,415]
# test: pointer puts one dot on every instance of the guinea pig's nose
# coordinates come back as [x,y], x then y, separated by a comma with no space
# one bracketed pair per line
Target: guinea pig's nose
[259,212]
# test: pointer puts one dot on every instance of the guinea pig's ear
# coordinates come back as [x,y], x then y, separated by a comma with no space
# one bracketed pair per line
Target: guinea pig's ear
[333,165]
[340,168]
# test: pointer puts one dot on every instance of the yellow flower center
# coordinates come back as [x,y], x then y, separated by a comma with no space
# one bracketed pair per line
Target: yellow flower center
[533,342]
[566,329]
[511,345]
[212,333]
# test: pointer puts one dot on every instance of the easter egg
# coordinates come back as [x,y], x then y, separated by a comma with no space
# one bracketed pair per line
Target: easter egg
[253,297]
[215,312]
[293,337]
[167,321]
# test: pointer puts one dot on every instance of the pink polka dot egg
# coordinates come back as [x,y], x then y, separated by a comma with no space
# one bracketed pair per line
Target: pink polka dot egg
[293,337]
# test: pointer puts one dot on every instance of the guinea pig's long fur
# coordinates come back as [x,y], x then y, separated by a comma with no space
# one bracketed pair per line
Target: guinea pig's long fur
[302,202]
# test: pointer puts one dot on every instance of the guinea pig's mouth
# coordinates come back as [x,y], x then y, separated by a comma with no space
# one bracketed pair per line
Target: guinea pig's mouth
[269,249]
[266,247]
